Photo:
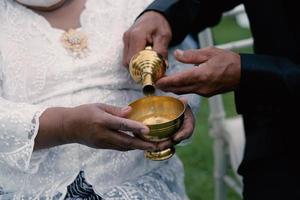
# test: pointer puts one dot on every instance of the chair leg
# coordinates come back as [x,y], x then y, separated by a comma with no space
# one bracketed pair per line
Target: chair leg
[220,166]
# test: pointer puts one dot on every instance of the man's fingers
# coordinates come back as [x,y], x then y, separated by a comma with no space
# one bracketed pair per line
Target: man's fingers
[161,43]
[193,56]
[137,42]
[188,81]
[185,78]
[182,90]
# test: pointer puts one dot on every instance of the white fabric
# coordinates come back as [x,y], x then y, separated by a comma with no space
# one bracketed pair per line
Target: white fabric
[235,137]
[39,3]
[37,72]
[242,18]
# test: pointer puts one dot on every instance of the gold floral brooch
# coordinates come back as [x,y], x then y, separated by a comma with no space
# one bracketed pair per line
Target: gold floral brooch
[76,42]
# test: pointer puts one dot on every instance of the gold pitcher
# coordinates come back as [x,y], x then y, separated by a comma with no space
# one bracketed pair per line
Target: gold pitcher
[146,67]
[162,114]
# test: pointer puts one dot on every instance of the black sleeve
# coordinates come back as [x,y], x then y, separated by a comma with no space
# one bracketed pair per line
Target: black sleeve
[267,84]
[185,16]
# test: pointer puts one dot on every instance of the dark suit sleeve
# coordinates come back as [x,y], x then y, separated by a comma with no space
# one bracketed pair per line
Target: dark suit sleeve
[185,16]
[267,84]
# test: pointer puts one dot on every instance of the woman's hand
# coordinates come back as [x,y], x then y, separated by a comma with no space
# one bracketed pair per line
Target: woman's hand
[93,125]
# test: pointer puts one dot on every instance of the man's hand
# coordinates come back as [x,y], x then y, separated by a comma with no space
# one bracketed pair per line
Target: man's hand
[150,28]
[216,71]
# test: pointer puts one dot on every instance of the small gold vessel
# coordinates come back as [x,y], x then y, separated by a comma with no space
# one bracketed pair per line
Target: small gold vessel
[163,115]
[146,67]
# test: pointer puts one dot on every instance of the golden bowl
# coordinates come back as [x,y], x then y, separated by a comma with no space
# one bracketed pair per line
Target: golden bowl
[163,115]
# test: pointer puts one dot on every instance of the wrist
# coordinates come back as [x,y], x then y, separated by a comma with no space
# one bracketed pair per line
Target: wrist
[50,131]
[68,121]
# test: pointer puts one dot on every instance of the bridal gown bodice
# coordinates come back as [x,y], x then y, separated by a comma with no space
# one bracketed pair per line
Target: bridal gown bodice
[37,72]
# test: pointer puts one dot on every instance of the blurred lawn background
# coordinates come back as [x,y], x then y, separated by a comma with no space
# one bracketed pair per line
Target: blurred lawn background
[197,157]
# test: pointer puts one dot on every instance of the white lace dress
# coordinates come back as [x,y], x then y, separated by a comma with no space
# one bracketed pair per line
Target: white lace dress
[36,72]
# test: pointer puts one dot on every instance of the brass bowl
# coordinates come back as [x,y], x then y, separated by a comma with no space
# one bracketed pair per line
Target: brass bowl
[163,115]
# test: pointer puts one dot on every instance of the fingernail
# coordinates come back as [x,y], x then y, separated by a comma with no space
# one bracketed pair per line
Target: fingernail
[126,108]
[178,53]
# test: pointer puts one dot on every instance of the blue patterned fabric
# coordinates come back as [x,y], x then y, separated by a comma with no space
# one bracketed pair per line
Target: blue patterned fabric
[80,189]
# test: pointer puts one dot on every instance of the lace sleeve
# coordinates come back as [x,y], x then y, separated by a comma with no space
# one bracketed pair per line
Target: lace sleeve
[19,123]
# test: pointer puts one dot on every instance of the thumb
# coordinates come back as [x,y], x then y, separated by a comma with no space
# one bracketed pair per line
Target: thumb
[192,56]
[117,111]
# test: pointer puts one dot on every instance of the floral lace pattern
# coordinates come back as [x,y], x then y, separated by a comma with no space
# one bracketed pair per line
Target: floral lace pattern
[147,187]
[37,72]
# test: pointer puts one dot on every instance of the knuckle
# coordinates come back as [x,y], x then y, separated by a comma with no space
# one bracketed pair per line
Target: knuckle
[132,32]
[98,121]
[211,48]
[98,105]
[121,126]
[126,35]
[211,51]
[135,32]
[206,76]
[129,143]
[114,109]
[204,57]
[166,35]
[189,55]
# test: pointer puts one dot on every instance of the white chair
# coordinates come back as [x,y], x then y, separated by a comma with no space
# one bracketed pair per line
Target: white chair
[227,133]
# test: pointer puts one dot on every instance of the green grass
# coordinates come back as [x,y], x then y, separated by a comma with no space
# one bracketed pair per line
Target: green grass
[197,156]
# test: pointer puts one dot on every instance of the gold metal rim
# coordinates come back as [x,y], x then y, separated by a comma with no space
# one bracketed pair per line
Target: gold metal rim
[157,126]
